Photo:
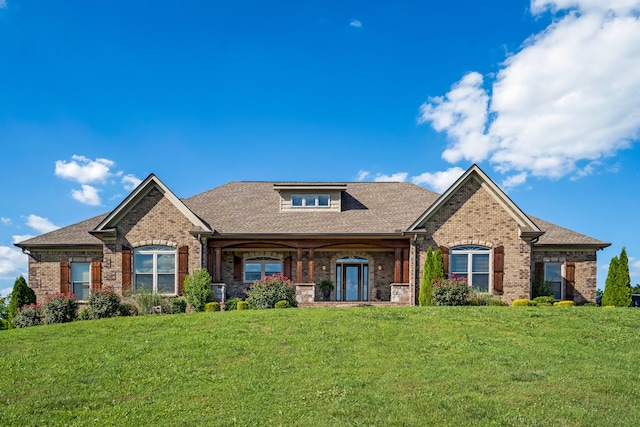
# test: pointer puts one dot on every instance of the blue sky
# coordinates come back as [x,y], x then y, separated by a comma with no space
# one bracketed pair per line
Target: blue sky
[544,95]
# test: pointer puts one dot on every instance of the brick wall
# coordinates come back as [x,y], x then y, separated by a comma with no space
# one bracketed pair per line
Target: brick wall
[473,217]
[585,273]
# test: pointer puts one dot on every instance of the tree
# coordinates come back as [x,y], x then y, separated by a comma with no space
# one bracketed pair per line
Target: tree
[197,289]
[4,313]
[617,288]
[22,294]
[433,269]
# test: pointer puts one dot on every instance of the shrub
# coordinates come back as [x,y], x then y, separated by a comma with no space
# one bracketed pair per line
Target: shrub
[178,305]
[498,302]
[544,300]
[432,270]
[127,309]
[231,303]
[452,291]
[29,315]
[617,288]
[145,301]
[265,293]
[282,304]
[104,303]
[210,307]
[85,314]
[479,298]
[60,308]
[22,294]
[242,305]
[197,289]
[542,288]
[522,303]
[564,303]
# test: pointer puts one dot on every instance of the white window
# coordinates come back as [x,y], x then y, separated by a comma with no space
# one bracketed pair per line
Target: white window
[472,263]
[154,270]
[257,268]
[553,275]
[310,200]
[81,280]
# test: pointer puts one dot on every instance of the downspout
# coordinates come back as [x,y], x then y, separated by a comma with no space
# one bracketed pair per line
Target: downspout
[531,269]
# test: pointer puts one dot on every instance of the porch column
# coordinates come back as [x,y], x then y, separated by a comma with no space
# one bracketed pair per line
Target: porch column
[299,266]
[397,268]
[311,276]
[405,265]
[218,269]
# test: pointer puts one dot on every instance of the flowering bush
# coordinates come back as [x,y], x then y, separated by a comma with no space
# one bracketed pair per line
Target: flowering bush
[28,315]
[265,293]
[452,291]
[104,303]
[60,308]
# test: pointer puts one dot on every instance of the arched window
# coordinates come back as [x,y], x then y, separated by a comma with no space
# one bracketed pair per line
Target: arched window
[259,267]
[472,263]
[352,279]
[154,269]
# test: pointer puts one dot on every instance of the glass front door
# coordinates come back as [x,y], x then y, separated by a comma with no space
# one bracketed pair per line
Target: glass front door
[352,279]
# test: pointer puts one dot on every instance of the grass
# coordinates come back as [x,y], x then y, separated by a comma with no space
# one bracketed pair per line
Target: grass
[531,366]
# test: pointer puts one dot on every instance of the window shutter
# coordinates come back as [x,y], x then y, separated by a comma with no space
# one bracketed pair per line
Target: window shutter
[498,269]
[445,260]
[183,266]
[64,277]
[570,280]
[126,270]
[538,272]
[96,276]
[288,267]
[237,269]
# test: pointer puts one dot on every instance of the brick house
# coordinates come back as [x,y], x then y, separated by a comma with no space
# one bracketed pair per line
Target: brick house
[368,238]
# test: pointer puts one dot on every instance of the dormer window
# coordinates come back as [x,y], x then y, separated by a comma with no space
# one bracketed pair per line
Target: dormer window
[310,200]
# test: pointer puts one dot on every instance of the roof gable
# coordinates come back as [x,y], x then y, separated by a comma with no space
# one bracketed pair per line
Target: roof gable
[474,172]
[137,195]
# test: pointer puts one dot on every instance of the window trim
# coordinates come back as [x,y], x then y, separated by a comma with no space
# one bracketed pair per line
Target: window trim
[262,261]
[155,251]
[304,196]
[473,250]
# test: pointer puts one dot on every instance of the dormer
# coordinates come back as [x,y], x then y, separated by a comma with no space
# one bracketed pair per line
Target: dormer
[305,197]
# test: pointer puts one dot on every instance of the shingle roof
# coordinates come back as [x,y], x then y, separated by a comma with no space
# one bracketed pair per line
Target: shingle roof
[253,208]
[367,208]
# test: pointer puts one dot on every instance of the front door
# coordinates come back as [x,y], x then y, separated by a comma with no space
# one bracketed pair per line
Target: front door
[352,280]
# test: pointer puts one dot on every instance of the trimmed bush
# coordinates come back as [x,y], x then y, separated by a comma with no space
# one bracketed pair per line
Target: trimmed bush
[498,302]
[178,305]
[242,305]
[522,303]
[265,293]
[29,315]
[563,304]
[127,309]
[452,292]
[21,295]
[197,289]
[60,308]
[544,300]
[210,307]
[231,303]
[282,304]
[104,303]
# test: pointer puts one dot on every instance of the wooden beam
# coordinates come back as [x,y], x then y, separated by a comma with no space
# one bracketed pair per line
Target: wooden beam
[405,265]
[218,264]
[397,268]
[311,276]
[299,267]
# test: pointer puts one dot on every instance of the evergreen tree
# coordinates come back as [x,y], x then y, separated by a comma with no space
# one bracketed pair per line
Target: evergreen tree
[22,294]
[438,266]
[617,288]
[425,284]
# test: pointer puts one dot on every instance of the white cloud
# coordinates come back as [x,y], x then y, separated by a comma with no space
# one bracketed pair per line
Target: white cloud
[83,170]
[568,97]
[88,195]
[40,224]
[634,269]
[21,237]
[439,181]
[362,175]
[355,23]
[6,221]
[514,180]
[13,263]
[6,291]
[130,182]
[396,177]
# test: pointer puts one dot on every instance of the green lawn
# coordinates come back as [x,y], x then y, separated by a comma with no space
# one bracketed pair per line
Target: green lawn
[576,366]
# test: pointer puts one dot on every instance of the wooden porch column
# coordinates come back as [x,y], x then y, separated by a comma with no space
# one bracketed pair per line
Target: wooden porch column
[299,266]
[311,276]
[397,268]
[405,265]
[218,272]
